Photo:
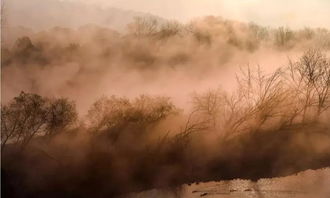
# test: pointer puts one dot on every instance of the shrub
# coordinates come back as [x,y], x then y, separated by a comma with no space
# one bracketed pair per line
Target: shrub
[113,116]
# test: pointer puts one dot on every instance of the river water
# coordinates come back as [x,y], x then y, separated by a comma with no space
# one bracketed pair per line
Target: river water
[307,184]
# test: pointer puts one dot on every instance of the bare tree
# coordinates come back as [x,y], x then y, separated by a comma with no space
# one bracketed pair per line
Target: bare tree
[209,105]
[29,115]
[23,118]
[112,114]
[259,98]
[144,26]
[169,29]
[283,37]
[310,80]
[108,112]
[61,113]
[277,99]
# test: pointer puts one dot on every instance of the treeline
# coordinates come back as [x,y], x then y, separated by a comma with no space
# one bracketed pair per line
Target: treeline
[155,43]
[296,94]
[271,125]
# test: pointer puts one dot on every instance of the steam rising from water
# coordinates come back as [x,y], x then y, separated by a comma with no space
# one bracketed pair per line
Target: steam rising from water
[91,61]
[155,57]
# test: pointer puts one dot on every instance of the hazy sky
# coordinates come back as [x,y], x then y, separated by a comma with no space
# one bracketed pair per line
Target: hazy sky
[293,13]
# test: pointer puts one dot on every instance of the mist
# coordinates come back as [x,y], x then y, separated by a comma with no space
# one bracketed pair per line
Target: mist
[90,61]
[99,100]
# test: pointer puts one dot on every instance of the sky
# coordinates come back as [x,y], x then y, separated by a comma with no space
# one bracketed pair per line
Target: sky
[292,13]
